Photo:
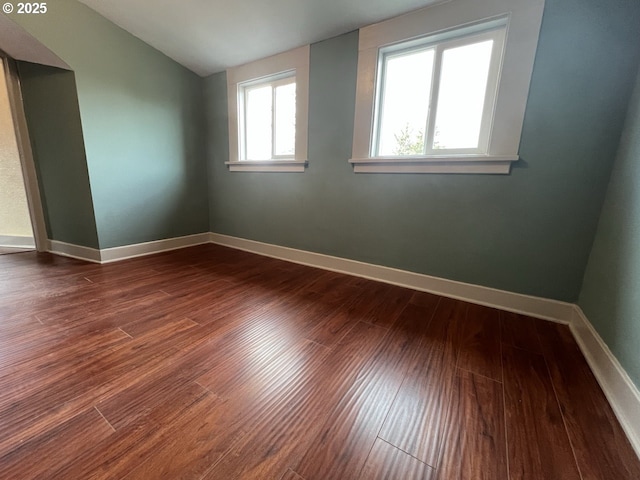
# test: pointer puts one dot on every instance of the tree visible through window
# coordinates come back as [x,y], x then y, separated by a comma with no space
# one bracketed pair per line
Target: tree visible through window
[436,96]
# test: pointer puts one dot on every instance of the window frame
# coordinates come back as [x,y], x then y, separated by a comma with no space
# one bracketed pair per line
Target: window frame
[455,19]
[274,81]
[495,31]
[291,63]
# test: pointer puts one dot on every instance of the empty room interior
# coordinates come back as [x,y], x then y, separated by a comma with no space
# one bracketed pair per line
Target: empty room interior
[333,240]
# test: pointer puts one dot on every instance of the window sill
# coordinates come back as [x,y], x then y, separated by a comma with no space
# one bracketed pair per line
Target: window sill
[267,166]
[476,164]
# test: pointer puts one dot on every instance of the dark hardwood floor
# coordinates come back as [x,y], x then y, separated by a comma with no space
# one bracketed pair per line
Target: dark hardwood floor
[211,363]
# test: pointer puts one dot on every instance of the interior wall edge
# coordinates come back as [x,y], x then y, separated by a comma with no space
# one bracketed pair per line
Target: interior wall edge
[621,392]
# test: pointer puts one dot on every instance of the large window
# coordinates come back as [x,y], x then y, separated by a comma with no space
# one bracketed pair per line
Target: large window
[437,96]
[444,89]
[267,103]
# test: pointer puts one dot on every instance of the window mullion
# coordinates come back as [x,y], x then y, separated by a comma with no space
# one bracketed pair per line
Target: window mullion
[243,134]
[433,101]
[273,122]
[379,99]
[491,90]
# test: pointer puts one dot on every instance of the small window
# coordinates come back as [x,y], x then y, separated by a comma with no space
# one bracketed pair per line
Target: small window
[268,103]
[444,89]
[267,113]
[437,96]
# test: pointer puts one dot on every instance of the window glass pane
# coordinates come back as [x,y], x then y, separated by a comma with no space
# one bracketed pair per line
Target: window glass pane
[285,135]
[404,104]
[463,85]
[258,123]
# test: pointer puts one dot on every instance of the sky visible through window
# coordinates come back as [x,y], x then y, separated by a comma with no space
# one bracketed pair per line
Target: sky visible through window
[405,99]
[285,120]
[262,143]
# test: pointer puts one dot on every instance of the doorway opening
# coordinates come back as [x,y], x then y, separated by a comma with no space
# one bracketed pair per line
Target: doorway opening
[21,218]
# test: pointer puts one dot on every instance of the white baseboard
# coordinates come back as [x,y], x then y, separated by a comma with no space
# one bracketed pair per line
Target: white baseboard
[514,302]
[74,251]
[619,389]
[108,255]
[17,241]
[115,254]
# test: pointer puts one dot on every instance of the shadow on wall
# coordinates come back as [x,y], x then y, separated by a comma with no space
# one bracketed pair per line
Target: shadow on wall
[144,143]
[15,221]
[53,119]
[610,295]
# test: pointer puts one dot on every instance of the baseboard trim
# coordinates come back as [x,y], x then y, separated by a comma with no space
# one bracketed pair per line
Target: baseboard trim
[623,395]
[73,251]
[17,241]
[115,254]
[514,302]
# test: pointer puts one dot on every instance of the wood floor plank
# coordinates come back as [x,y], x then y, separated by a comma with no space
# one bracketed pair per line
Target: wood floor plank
[31,411]
[520,331]
[480,346]
[254,406]
[191,452]
[127,448]
[330,330]
[416,421]
[474,444]
[586,410]
[42,454]
[279,439]
[213,363]
[387,306]
[386,462]
[425,300]
[345,440]
[291,475]
[537,441]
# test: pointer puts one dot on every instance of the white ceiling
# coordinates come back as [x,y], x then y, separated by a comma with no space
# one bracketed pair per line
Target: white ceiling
[207,36]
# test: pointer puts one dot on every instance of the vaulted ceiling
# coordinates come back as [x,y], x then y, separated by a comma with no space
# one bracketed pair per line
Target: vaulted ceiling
[208,36]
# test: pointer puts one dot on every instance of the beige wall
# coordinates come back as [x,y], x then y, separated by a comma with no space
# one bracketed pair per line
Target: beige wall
[14,212]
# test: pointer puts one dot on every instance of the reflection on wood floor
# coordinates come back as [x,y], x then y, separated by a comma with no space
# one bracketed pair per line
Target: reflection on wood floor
[212,363]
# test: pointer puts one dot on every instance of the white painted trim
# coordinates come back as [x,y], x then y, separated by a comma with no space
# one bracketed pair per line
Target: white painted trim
[524,20]
[498,165]
[17,241]
[438,158]
[73,251]
[30,176]
[622,393]
[514,302]
[114,254]
[267,166]
[293,60]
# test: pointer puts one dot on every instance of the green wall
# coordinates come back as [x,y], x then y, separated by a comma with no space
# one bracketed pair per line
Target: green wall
[528,232]
[142,120]
[53,118]
[610,295]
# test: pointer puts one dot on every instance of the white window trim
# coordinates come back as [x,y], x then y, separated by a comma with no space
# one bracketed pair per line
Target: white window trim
[285,78]
[523,28]
[294,60]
